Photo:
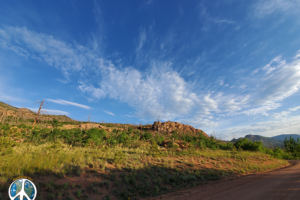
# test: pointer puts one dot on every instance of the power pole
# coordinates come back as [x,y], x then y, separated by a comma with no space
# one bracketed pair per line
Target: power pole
[37,114]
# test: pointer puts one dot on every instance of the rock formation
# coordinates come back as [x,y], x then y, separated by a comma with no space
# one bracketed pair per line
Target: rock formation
[169,126]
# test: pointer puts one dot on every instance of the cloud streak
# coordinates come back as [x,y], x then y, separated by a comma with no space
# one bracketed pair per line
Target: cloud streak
[108,112]
[50,112]
[64,102]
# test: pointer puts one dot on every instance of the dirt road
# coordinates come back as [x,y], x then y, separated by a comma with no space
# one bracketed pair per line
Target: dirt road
[282,184]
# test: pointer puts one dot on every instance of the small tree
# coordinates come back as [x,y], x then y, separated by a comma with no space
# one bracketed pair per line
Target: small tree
[292,147]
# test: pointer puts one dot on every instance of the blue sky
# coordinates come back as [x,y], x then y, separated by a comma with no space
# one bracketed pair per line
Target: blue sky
[228,66]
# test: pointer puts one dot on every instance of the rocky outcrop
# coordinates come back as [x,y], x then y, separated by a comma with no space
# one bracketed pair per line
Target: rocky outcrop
[169,126]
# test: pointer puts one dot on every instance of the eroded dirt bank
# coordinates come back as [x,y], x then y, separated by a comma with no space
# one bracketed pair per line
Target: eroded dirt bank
[283,184]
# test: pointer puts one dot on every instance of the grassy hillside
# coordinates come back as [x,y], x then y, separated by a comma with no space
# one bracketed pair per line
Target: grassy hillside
[119,161]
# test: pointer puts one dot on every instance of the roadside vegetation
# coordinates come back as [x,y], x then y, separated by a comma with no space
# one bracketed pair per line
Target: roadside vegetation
[124,164]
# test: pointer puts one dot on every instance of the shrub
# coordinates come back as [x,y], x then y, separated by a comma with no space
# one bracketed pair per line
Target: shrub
[159,139]
[22,126]
[54,123]
[226,146]
[146,136]
[245,144]
[292,147]
[111,141]
[4,126]
[130,130]
[95,135]
[154,150]
[123,138]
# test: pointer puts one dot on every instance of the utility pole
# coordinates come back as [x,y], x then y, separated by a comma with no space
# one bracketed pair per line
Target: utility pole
[37,114]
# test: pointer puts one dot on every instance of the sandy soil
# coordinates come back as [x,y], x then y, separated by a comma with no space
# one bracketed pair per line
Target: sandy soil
[282,184]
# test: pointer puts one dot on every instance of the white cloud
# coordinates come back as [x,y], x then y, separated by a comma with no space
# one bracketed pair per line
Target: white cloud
[159,92]
[280,84]
[108,112]
[50,112]
[64,102]
[262,110]
[221,82]
[266,7]
[142,39]
[54,52]
[285,113]
[242,87]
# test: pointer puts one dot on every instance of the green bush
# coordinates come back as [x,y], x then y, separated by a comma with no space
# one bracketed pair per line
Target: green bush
[159,139]
[130,130]
[55,123]
[122,138]
[292,147]
[22,126]
[226,146]
[4,127]
[247,145]
[95,135]
[154,150]
[146,136]
[111,141]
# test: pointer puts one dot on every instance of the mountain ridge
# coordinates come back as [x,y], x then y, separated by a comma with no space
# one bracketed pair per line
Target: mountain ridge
[270,142]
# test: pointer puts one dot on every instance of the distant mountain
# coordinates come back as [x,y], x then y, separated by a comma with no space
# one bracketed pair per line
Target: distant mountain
[270,142]
[283,136]
[267,141]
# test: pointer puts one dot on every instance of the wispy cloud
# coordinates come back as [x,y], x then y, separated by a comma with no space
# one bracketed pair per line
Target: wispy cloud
[262,110]
[285,113]
[50,112]
[266,7]
[271,66]
[108,112]
[64,102]
[281,83]
[43,47]
[142,39]
[204,14]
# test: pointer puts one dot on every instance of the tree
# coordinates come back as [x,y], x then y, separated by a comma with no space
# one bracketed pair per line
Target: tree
[292,146]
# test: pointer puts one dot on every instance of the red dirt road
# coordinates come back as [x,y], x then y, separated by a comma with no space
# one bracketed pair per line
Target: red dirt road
[281,184]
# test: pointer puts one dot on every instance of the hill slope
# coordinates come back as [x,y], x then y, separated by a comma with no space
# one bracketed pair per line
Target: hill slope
[10,113]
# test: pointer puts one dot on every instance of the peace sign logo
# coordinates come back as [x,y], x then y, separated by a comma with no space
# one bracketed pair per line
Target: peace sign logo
[22,189]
